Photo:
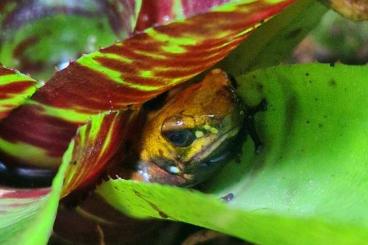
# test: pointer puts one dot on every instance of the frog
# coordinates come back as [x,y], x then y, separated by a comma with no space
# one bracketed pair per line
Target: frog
[185,141]
[182,142]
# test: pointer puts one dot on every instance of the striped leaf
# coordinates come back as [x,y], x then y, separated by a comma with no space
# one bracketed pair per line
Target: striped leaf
[15,88]
[93,147]
[127,73]
[18,209]
[27,215]
[165,11]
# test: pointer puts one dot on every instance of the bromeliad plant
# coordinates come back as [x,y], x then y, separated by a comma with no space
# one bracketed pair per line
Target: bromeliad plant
[307,185]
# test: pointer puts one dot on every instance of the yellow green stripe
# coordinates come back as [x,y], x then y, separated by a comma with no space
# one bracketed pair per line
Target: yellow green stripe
[28,153]
[12,78]
[68,114]
[161,37]
[115,76]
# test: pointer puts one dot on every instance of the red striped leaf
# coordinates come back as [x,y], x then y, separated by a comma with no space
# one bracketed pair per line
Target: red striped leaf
[15,88]
[127,73]
[93,147]
[165,11]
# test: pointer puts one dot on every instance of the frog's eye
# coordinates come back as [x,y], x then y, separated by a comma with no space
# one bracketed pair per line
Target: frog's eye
[180,138]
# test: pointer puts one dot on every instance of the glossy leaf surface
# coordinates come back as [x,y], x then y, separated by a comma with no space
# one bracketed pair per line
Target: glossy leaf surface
[15,89]
[307,186]
[93,146]
[126,73]
[27,215]
[109,80]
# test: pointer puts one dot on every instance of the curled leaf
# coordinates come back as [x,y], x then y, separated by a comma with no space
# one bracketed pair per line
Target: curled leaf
[93,147]
[27,215]
[314,154]
[128,72]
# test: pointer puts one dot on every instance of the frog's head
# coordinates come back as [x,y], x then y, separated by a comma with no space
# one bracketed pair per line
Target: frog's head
[186,140]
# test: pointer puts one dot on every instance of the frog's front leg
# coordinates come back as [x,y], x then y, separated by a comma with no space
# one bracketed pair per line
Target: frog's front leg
[250,126]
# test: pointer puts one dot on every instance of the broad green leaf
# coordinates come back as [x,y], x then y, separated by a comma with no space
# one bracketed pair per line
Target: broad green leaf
[15,89]
[309,183]
[274,41]
[27,215]
[127,73]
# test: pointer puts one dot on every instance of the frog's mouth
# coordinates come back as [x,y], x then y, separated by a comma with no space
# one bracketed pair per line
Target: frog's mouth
[209,159]
[215,152]
[195,170]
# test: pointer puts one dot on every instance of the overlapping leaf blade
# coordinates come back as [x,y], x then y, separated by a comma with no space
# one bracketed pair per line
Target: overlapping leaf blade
[18,208]
[54,116]
[27,215]
[126,73]
[308,185]
[93,147]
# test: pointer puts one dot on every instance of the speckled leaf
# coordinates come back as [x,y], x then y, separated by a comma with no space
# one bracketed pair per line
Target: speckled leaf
[309,183]
[126,73]
[15,88]
[27,215]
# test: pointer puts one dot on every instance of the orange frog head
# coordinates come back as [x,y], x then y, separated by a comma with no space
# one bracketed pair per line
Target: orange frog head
[188,138]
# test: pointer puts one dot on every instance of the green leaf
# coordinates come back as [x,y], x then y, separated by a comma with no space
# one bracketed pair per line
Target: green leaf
[309,183]
[27,215]
[274,41]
